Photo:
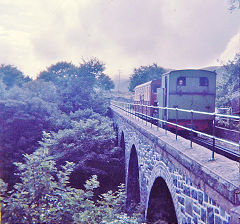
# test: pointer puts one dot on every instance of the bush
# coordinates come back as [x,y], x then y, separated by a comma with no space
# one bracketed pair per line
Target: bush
[44,195]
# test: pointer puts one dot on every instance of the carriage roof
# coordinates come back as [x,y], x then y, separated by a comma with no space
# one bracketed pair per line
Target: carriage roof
[188,70]
[155,81]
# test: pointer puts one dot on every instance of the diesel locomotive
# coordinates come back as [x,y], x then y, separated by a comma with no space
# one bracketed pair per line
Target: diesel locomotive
[189,89]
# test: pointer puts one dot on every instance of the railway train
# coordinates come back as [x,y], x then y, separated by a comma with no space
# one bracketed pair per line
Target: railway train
[189,89]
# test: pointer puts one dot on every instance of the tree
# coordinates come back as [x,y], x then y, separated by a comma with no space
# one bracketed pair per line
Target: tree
[144,74]
[76,85]
[24,113]
[228,83]
[2,89]
[36,106]
[58,73]
[105,82]
[234,4]
[89,143]
[93,66]
[44,196]
[34,89]
[11,76]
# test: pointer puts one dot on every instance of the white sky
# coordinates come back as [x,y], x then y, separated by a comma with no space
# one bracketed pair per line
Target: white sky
[124,34]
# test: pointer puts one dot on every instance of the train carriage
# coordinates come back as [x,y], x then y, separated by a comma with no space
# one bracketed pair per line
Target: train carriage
[191,90]
[146,95]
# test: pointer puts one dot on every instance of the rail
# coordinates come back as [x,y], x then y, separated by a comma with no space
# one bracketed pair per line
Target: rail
[129,108]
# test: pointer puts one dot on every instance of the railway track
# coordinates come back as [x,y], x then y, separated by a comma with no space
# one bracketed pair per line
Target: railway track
[227,150]
[226,133]
[232,153]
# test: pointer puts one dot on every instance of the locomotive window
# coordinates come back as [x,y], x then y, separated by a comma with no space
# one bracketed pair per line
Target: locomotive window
[181,81]
[203,81]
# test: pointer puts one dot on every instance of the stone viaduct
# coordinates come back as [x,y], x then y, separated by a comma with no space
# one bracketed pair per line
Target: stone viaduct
[172,181]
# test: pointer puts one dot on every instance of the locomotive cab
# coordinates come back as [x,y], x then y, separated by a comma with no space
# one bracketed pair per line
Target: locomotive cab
[190,90]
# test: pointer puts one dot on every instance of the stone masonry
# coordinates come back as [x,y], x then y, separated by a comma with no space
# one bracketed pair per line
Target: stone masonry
[202,191]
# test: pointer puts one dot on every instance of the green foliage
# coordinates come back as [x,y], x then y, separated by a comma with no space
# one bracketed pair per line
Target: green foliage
[228,83]
[88,131]
[58,73]
[234,4]
[39,196]
[37,88]
[28,108]
[2,89]
[44,195]
[25,113]
[88,141]
[105,82]
[76,85]
[11,76]
[66,101]
[93,66]
[144,74]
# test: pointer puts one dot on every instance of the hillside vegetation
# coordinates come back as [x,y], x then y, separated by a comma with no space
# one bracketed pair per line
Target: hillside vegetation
[57,148]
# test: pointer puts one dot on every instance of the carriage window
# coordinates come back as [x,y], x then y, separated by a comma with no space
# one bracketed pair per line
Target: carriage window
[181,81]
[203,81]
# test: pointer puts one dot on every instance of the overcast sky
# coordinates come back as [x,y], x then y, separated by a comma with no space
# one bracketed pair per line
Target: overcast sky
[124,34]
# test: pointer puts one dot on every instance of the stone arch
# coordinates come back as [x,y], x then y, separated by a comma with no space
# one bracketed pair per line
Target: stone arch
[123,147]
[160,204]
[133,187]
[162,200]
[122,141]
[116,129]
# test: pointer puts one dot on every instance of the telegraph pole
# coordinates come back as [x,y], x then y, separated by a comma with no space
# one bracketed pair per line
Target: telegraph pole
[119,72]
